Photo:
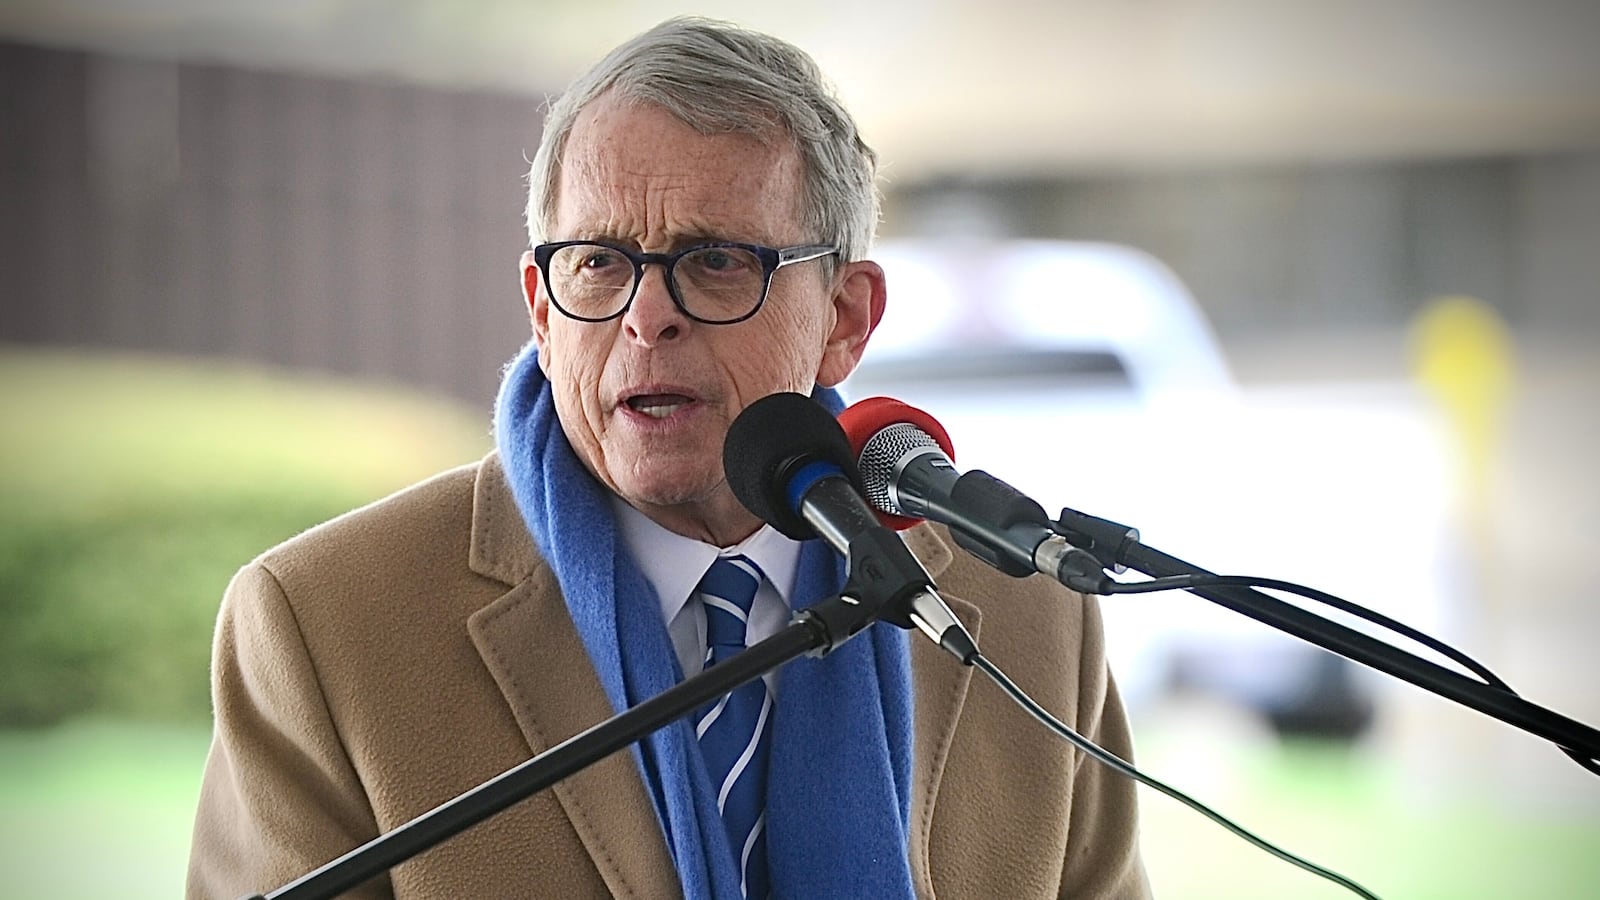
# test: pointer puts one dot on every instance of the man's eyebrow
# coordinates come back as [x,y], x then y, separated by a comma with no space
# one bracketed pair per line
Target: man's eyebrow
[679,241]
[604,237]
[700,237]
[707,237]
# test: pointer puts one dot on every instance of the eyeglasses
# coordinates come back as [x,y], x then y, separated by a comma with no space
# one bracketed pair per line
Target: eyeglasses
[718,283]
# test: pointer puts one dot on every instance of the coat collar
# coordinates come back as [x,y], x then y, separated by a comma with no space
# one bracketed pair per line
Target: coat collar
[501,546]
[531,648]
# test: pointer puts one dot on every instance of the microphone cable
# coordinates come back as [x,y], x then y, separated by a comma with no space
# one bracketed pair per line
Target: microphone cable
[1117,764]
[1111,586]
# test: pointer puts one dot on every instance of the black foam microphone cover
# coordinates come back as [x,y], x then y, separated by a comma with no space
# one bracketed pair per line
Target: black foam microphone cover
[772,440]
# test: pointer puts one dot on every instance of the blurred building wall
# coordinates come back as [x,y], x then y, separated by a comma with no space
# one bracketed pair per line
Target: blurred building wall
[1337,245]
[338,226]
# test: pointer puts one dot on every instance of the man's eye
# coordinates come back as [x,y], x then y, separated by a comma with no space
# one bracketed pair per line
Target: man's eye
[716,260]
[723,261]
[599,259]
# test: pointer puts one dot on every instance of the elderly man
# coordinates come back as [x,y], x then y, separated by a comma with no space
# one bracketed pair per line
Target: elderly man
[701,210]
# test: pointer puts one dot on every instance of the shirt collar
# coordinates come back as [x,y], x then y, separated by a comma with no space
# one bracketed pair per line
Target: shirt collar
[673,564]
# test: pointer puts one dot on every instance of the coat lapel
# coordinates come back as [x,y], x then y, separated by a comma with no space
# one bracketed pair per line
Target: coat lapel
[939,685]
[528,642]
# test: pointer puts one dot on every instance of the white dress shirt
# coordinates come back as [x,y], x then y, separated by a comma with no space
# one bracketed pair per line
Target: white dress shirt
[674,565]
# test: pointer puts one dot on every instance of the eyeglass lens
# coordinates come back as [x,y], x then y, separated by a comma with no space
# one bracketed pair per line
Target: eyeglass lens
[713,283]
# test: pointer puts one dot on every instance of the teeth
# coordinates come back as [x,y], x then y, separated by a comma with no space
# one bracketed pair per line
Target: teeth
[656,405]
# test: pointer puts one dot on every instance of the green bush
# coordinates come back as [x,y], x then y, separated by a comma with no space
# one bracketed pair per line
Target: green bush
[131,489]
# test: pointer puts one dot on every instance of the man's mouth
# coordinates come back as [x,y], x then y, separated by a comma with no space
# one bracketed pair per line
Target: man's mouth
[657,406]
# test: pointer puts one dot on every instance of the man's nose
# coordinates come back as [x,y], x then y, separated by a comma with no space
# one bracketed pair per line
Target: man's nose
[653,316]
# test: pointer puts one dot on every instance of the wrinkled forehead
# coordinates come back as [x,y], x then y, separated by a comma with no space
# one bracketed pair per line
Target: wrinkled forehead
[638,171]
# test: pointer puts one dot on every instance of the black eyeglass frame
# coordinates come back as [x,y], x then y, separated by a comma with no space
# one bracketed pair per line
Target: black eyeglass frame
[772,259]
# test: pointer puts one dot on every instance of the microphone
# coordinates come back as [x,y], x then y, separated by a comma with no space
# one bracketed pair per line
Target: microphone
[788,461]
[904,457]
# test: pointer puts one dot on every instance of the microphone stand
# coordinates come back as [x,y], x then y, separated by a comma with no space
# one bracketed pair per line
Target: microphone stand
[816,630]
[1115,546]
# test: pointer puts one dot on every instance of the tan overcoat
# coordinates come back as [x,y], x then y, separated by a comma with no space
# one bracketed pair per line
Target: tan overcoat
[380,664]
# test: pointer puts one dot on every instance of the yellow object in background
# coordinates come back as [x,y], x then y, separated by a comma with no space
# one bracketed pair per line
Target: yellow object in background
[1463,354]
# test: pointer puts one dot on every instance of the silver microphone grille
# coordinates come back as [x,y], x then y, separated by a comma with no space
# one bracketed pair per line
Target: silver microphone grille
[883,454]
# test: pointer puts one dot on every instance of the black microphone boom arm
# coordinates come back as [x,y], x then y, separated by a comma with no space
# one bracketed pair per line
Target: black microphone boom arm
[1579,739]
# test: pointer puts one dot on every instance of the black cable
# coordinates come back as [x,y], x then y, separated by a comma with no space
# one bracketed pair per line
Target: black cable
[1111,760]
[1187,582]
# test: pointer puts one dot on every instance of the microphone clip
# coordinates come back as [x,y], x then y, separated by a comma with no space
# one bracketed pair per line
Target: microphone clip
[886,581]
[883,575]
[880,580]
[1108,542]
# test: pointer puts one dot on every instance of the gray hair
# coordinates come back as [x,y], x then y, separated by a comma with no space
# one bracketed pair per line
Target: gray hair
[719,79]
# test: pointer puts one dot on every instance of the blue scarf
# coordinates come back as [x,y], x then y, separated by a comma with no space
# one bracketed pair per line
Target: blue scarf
[839,788]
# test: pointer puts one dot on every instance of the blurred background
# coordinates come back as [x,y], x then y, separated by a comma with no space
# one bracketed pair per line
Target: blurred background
[1301,290]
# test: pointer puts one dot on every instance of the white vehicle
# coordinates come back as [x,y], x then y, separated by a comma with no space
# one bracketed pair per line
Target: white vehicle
[1085,376]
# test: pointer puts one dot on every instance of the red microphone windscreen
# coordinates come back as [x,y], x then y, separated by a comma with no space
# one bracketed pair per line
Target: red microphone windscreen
[866,418]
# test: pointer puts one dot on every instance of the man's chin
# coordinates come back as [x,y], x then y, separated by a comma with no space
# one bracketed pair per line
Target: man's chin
[707,513]
[669,495]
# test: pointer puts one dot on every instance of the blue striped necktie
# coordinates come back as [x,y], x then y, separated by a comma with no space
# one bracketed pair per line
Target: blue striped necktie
[736,732]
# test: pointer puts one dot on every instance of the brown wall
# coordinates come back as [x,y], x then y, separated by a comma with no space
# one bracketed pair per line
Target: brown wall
[369,229]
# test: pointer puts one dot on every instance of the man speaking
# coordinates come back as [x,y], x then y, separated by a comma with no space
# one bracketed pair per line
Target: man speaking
[701,209]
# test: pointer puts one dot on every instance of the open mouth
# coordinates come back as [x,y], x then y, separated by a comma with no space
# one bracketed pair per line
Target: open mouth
[657,406]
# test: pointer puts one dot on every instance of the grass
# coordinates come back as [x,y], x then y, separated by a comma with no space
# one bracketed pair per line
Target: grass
[1351,811]
[98,809]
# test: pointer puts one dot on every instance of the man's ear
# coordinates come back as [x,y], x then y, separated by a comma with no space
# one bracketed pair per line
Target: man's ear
[538,304]
[859,298]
